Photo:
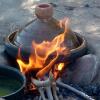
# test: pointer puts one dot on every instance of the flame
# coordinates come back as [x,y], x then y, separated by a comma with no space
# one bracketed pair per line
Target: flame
[57,70]
[60,66]
[40,54]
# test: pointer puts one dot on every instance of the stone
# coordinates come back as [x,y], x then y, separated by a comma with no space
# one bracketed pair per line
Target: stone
[5,59]
[82,71]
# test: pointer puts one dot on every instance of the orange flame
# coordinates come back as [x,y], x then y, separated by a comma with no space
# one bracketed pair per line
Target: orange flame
[40,54]
[60,66]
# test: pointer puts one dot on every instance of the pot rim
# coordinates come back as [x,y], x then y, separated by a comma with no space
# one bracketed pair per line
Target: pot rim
[81,46]
[20,74]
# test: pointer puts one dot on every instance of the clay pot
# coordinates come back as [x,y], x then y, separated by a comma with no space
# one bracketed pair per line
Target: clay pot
[12,49]
[43,27]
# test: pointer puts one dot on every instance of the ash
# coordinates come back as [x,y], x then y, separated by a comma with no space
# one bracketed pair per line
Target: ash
[64,94]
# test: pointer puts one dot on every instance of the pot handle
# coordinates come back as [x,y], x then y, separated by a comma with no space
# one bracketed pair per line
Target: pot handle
[44,11]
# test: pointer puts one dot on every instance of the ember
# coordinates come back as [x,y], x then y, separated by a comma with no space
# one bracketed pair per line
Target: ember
[60,66]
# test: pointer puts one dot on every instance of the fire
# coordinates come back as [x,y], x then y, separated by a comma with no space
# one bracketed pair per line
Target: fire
[57,70]
[60,66]
[39,58]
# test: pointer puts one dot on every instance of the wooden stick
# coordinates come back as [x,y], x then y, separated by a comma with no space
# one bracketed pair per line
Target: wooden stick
[54,91]
[42,93]
[47,85]
[46,69]
[49,93]
[82,94]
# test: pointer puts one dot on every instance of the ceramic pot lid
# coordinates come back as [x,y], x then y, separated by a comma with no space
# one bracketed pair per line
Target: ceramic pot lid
[43,27]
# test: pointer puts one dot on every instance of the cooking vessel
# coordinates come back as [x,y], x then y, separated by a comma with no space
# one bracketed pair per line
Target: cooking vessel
[12,83]
[43,27]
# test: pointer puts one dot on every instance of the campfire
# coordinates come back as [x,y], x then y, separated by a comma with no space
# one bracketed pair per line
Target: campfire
[42,71]
[40,62]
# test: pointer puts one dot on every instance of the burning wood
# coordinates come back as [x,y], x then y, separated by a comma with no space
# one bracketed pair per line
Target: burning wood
[39,60]
[48,86]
